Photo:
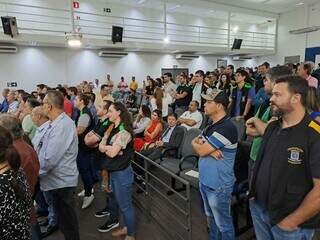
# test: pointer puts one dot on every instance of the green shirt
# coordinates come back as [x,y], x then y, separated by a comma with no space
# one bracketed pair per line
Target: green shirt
[258,140]
[28,126]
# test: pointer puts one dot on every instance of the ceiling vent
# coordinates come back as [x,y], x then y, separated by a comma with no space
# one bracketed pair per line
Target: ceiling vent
[112,54]
[305,30]
[186,56]
[241,58]
[8,49]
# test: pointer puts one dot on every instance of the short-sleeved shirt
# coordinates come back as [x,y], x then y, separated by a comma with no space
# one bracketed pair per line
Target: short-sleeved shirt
[251,95]
[276,149]
[196,116]
[186,100]
[84,120]
[67,106]
[28,126]
[133,85]
[214,173]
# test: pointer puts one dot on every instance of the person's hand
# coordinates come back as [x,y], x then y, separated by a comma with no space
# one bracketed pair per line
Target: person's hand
[287,225]
[250,122]
[217,155]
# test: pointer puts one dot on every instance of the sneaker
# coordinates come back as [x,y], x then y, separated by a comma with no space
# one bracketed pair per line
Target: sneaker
[108,226]
[81,194]
[87,201]
[103,213]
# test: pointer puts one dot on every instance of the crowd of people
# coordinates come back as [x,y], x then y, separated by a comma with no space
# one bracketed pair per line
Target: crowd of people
[52,136]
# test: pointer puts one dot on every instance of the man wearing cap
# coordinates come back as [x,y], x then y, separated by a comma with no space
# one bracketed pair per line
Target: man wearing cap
[217,146]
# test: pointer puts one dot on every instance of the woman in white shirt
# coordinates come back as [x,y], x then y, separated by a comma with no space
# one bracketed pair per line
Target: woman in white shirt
[161,101]
[142,120]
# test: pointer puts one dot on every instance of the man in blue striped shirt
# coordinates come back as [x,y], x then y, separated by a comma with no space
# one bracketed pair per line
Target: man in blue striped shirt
[58,166]
[217,146]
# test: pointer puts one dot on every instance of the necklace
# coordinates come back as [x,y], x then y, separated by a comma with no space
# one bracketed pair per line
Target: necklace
[5,166]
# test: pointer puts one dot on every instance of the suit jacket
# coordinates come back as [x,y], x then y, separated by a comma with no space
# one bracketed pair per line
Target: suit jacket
[175,139]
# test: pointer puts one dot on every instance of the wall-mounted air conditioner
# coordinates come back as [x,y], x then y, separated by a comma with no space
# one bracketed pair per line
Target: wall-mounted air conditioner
[111,54]
[241,58]
[8,49]
[305,30]
[186,56]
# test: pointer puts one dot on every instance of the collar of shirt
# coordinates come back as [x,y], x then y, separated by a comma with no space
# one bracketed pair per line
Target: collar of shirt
[57,120]
[43,126]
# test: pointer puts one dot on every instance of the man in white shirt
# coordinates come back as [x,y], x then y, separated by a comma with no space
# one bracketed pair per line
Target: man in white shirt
[168,86]
[197,80]
[191,118]
[13,103]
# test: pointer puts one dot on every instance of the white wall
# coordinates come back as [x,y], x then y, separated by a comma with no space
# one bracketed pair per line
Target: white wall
[34,65]
[289,44]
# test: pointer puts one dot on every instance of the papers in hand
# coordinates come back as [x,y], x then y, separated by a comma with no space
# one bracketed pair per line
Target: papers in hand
[193,173]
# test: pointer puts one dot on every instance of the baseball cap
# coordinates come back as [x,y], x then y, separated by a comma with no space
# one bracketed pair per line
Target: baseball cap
[216,95]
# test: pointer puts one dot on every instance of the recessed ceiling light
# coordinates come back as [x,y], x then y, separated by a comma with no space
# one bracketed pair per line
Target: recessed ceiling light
[235,29]
[212,11]
[166,40]
[300,3]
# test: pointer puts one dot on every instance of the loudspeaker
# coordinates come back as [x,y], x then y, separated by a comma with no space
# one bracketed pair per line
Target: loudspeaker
[236,44]
[9,25]
[117,34]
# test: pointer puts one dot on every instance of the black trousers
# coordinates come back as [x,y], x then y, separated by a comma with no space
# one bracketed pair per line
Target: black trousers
[63,202]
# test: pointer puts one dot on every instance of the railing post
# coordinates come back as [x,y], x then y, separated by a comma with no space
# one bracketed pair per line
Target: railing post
[147,192]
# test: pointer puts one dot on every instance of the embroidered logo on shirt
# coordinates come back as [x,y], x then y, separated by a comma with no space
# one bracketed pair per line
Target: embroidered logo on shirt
[295,155]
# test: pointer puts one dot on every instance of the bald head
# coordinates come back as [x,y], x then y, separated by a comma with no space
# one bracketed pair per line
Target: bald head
[38,116]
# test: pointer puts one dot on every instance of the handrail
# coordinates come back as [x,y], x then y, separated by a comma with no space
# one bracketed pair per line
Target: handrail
[154,197]
[56,19]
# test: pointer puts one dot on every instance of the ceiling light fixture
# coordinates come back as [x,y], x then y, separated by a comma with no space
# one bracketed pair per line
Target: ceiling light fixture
[300,3]
[74,40]
[166,39]
[235,29]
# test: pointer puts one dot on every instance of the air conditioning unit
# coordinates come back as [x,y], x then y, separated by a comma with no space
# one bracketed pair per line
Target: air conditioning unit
[8,49]
[239,58]
[186,56]
[112,54]
[305,30]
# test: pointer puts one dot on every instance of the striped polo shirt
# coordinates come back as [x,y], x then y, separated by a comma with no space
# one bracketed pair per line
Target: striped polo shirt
[215,173]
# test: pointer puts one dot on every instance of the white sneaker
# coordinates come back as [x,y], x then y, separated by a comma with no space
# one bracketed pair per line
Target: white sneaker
[87,201]
[81,194]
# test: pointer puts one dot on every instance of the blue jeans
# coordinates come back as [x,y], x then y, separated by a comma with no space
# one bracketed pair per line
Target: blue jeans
[86,170]
[52,216]
[265,231]
[217,205]
[121,184]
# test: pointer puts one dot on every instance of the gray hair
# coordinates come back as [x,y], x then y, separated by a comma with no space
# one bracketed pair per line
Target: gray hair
[55,98]
[12,124]
[39,112]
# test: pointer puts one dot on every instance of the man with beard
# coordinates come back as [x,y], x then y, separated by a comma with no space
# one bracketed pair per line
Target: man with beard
[285,185]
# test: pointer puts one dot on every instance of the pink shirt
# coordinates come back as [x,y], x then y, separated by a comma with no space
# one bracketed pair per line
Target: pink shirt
[313,82]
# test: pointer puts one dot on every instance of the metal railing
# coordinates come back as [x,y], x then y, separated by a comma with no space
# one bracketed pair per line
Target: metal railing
[57,21]
[171,213]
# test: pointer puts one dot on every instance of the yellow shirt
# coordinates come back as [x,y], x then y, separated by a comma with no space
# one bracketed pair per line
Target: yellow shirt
[133,85]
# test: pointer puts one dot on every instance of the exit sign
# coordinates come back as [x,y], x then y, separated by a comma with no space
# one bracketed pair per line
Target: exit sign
[107,10]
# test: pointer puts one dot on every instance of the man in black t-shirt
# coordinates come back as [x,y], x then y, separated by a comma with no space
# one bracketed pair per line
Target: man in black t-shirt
[285,185]
[183,94]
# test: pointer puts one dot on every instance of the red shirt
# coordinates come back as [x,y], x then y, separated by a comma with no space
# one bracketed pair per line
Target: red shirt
[67,106]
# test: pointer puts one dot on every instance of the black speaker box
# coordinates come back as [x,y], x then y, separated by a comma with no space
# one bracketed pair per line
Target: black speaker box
[236,43]
[117,33]
[9,25]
